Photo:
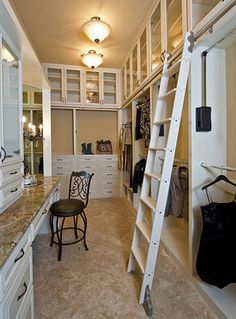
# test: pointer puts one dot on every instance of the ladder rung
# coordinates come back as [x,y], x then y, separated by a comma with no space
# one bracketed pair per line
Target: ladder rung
[140,257]
[167,95]
[154,175]
[145,230]
[150,202]
[157,149]
[172,70]
[165,121]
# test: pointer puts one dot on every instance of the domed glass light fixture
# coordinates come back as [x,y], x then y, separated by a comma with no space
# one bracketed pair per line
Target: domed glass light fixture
[96,29]
[92,59]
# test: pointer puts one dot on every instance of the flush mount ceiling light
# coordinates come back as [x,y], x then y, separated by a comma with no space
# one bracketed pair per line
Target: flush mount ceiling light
[96,29]
[92,59]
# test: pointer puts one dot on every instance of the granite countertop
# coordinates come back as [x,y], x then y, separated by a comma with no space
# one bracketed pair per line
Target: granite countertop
[16,219]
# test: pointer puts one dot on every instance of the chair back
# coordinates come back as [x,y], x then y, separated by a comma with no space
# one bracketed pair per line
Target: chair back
[80,185]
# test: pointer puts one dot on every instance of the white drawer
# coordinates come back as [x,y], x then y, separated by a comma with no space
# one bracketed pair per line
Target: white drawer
[109,158]
[10,173]
[11,191]
[104,193]
[108,182]
[27,309]
[40,217]
[10,270]
[62,159]
[106,174]
[18,294]
[56,173]
[88,167]
[62,166]
[108,166]
[86,159]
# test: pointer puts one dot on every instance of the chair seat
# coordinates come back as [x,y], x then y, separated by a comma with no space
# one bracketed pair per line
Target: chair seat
[67,207]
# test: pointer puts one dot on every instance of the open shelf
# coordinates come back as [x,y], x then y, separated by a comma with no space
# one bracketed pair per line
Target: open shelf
[175,238]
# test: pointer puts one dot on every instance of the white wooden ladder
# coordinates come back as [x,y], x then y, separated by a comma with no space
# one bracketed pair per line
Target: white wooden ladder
[151,210]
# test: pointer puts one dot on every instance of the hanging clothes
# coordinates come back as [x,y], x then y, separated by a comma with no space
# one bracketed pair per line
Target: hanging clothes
[138,174]
[125,146]
[216,262]
[177,201]
[142,129]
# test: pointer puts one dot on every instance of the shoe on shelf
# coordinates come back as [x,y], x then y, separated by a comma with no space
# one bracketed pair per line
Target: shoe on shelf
[89,149]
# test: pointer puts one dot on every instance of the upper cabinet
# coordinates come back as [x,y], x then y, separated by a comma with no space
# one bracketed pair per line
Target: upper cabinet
[174,24]
[74,86]
[32,97]
[66,84]
[155,33]
[10,107]
[199,9]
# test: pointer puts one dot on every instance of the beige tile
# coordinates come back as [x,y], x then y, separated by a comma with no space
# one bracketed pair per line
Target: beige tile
[94,284]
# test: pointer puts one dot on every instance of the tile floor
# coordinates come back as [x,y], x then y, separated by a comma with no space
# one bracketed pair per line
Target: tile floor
[94,284]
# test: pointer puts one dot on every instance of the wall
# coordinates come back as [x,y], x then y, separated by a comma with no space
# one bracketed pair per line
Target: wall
[96,125]
[209,147]
[231,109]
[62,132]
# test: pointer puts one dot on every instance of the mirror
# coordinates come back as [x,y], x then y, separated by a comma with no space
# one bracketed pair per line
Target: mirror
[32,130]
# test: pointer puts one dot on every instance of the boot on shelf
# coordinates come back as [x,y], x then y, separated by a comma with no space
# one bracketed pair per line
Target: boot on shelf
[83,148]
[89,149]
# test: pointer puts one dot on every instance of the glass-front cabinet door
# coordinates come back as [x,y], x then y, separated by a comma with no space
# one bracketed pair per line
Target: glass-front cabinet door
[123,79]
[155,30]
[73,86]
[110,93]
[92,87]
[143,55]
[135,74]
[11,105]
[55,77]
[128,91]
[200,9]
[174,24]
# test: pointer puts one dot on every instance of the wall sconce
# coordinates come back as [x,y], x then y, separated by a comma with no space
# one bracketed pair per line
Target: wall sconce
[32,134]
[92,59]
[96,29]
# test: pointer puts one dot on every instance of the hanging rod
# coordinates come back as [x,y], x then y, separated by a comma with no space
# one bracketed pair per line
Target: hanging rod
[221,167]
[176,160]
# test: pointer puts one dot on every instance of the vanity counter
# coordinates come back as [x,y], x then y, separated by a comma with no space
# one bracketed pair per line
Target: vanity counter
[15,221]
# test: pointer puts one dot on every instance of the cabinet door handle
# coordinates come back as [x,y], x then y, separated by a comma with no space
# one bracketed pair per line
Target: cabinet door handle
[14,190]
[13,173]
[44,212]
[23,293]
[4,153]
[22,254]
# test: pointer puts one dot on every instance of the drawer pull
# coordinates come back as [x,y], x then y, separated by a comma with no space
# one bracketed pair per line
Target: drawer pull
[87,159]
[13,173]
[109,174]
[109,183]
[14,190]
[108,166]
[109,192]
[59,159]
[23,293]
[59,173]
[109,159]
[22,254]
[87,166]
[44,212]
[59,167]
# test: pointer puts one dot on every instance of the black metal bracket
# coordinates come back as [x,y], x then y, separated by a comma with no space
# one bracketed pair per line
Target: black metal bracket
[147,304]
[191,41]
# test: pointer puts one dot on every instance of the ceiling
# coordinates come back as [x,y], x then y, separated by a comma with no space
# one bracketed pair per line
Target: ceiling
[54,27]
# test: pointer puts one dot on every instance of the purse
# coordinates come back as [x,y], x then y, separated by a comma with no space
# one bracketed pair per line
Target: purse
[104,147]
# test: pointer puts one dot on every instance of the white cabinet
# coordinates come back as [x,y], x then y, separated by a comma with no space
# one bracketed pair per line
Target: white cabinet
[74,86]
[66,82]
[10,123]
[105,182]
[16,282]
[31,97]
[102,88]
